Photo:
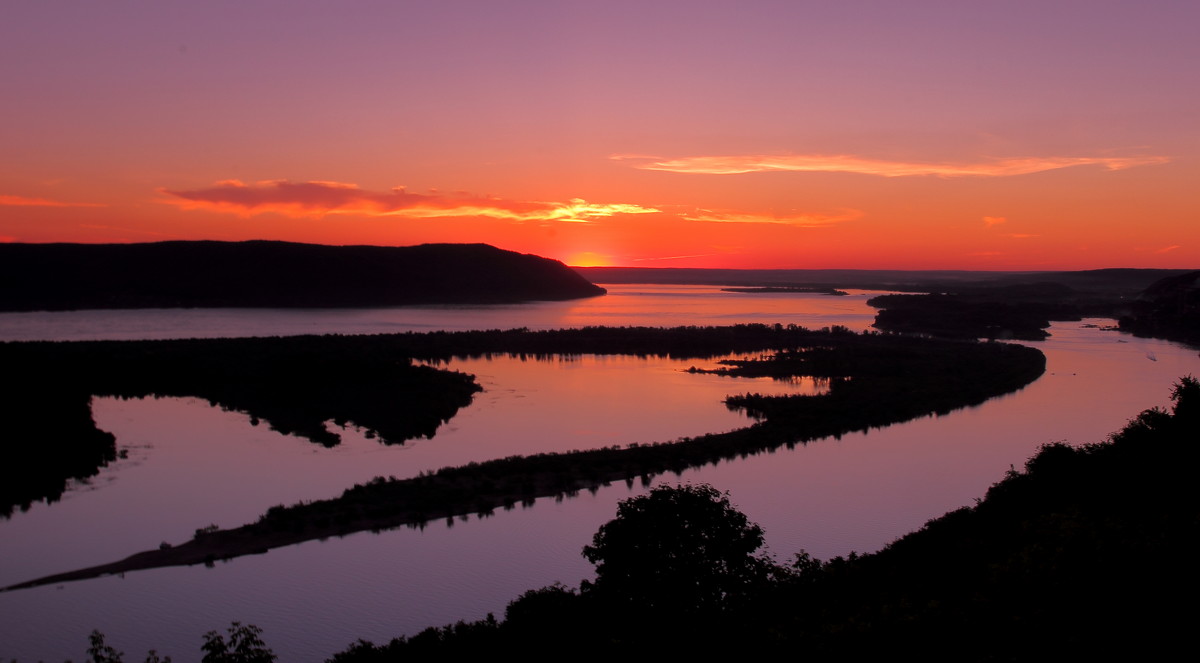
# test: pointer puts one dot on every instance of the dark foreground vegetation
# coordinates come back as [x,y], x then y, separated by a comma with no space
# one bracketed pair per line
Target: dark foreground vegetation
[874,380]
[1086,554]
[55,277]
[245,645]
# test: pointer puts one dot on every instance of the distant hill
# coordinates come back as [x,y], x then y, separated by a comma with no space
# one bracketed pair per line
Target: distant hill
[206,274]
[865,278]
[1108,281]
[962,304]
[1169,308]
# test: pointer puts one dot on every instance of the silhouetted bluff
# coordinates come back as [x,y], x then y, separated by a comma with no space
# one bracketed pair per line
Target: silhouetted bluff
[208,274]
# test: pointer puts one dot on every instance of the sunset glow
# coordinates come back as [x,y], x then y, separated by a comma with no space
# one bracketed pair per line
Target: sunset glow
[317,199]
[735,165]
[925,135]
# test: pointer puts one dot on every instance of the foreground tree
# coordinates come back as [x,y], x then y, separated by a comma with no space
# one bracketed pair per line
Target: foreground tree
[244,646]
[682,549]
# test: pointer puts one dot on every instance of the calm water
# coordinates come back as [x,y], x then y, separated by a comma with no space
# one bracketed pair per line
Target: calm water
[189,465]
[625,305]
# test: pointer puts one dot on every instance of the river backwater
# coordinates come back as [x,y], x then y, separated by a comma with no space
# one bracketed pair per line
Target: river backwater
[189,465]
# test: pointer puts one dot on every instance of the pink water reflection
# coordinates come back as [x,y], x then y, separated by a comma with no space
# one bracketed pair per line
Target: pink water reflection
[191,465]
[593,401]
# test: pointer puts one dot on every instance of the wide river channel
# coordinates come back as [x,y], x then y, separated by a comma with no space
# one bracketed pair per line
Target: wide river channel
[188,465]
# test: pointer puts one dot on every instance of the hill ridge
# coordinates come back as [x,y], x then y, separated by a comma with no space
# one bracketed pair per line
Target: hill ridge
[274,274]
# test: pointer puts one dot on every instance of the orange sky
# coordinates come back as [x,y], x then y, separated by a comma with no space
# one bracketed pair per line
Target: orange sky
[919,135]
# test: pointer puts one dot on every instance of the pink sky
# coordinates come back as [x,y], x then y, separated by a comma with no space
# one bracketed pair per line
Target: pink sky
[965,135]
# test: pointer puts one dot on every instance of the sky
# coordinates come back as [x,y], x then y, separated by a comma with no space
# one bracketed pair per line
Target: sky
[872,135]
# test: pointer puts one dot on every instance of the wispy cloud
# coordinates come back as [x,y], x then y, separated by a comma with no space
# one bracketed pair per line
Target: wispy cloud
[845,163]
[1020,235]
[810,220]
[1168,249]
[321,198]
[990,221]
[22,201]
[697,255]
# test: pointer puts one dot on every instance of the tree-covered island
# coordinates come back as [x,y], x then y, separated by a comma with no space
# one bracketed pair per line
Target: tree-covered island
[874,380]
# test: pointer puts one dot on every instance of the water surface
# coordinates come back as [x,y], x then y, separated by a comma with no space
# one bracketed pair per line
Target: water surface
[625,305]
[189,465]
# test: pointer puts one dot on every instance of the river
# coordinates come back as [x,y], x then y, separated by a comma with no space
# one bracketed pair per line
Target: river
[188,465]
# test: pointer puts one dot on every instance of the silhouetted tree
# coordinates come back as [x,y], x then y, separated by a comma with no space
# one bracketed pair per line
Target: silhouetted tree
[682,549]
[100,652]
[244,646]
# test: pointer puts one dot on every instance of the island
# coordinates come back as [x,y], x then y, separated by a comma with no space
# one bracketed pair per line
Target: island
[873,380]
[789,289]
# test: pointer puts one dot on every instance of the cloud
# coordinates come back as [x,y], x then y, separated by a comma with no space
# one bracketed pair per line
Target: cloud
[1168,249]
[1020,235]
[321,198]
[844,163]
[22,201]
[795,220]
[993,220]
[698,255]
